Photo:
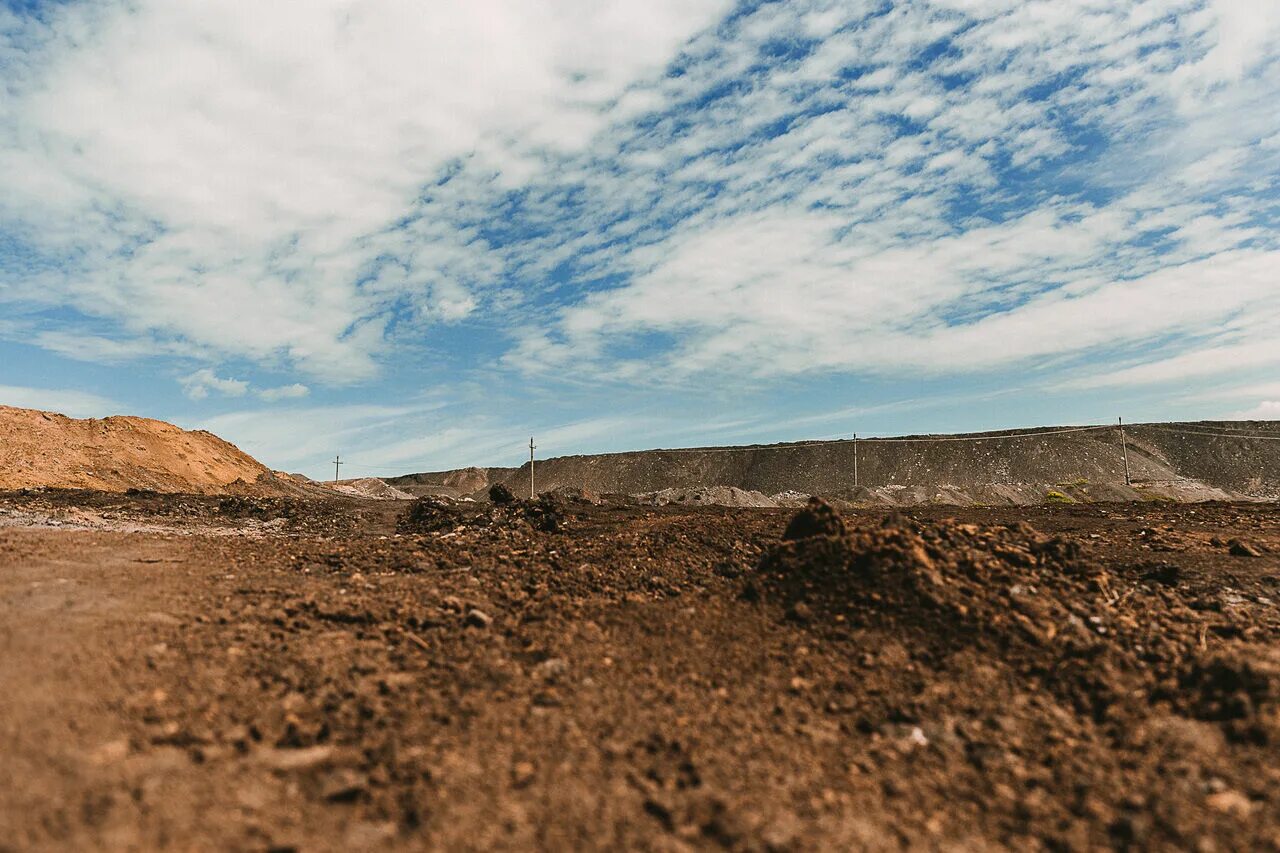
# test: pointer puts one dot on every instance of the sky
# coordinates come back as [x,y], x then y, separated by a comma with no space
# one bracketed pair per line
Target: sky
[415,234]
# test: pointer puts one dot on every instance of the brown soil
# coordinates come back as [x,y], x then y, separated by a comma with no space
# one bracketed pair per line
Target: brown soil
[260,673]
[44,449]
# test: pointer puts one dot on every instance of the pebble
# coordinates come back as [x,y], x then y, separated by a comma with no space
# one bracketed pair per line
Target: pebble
[344,785]
[297,759]
[1231,803]
[1241,548]
[478,619]
[522,774]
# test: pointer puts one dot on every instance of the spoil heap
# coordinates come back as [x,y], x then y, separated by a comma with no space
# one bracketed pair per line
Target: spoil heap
[548,514]
[1108,644]
[44,449]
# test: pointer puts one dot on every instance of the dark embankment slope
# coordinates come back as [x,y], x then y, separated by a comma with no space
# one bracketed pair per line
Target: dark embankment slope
[1199,460]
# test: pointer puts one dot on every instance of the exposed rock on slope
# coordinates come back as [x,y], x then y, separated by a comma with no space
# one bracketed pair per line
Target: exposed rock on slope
[120,453]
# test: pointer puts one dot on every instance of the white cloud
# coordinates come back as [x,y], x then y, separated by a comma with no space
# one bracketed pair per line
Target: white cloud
[1267,410]
[228,179]
[198,385]
[76,404]
[1260,350]
[284,392]
[843,242]
[770,295]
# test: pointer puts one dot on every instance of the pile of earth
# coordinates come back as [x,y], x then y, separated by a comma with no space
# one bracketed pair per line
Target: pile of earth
[730,496]
[44,449]
[371,487]
[548,513]
[1042,605]
[453,484]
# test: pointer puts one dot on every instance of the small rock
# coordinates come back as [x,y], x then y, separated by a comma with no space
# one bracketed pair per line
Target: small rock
[297,759]
[1231,803]
[551,668]
[800,612]
[478,619]
[344,785]
[1241,548]
[111,752]
[522,774]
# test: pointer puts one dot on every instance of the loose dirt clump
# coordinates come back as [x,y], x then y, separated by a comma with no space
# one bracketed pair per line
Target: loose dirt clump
[500,495]
[950,582]
[816,519]
[1242,694]
[548,514]
[434,515]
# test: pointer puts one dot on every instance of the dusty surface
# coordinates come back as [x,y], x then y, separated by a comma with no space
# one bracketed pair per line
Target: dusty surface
[114,454]
[195,673]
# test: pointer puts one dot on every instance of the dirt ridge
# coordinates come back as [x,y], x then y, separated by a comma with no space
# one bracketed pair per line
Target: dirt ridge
[1203,460]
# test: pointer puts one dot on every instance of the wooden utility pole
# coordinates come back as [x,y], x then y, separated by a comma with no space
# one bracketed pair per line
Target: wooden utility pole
[1124,449]
[337,460]
[855,460]
[531,494]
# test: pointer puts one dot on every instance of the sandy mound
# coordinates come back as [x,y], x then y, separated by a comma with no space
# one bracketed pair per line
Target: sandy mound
[119,453]
[707,496]
[370,487]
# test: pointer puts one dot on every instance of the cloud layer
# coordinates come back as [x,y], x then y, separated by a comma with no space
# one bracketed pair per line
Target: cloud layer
[238,179]
[283,200]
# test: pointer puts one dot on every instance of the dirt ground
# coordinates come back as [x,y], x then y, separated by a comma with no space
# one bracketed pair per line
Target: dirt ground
[271,674]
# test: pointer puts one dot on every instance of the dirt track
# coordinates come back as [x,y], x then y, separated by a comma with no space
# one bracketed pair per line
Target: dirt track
[260,674]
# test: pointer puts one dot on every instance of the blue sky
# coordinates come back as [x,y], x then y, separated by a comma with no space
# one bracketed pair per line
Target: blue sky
[413,234]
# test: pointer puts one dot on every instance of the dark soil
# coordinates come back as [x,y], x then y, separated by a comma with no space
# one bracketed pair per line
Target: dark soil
[476,677]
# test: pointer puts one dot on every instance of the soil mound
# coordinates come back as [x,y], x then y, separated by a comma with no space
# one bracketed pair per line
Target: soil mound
[950,581]
[708,496]
[430,514]
[48,450]
[500,494]
[574,495]
[371,487]
[817,519]
[452,484]
[1040,604]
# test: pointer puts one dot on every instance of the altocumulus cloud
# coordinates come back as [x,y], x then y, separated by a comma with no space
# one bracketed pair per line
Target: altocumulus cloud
[943,187]
[649,192]
[235,178]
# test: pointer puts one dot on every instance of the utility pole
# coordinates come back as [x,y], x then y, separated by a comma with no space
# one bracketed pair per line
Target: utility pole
[855,460]
[337,460]
[1124,449]
[531,494]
